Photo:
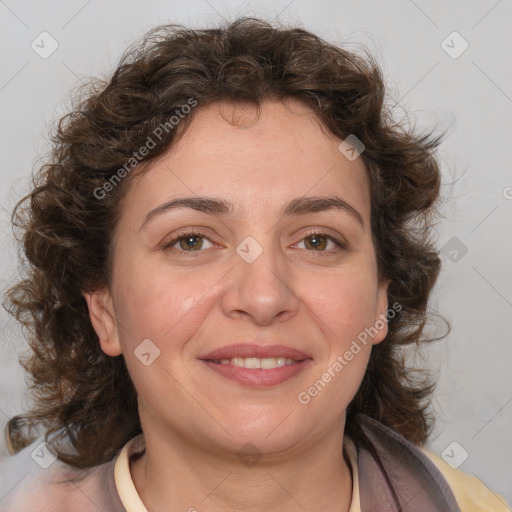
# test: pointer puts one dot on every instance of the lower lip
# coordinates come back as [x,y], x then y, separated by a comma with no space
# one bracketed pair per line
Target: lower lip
[258,377]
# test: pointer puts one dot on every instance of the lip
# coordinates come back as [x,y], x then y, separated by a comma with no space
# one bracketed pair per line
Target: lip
[258,377]
[252,350]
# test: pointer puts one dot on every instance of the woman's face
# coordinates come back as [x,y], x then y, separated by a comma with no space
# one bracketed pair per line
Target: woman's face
[280,254]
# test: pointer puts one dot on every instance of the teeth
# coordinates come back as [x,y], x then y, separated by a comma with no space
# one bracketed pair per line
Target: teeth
[266,363]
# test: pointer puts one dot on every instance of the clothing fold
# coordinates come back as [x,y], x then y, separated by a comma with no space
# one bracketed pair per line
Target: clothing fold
[396,476]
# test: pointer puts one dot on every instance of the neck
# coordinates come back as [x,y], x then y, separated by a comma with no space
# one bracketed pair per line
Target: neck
[176,475]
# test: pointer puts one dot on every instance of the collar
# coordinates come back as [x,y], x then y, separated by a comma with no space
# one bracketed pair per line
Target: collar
[397,476]
[130,497]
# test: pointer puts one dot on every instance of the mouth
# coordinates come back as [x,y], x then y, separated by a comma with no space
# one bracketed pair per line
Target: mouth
[266,363]
[257,366]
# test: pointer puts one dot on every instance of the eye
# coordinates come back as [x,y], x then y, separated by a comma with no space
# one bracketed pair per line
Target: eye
[193,241]
[189,242]
[319,242]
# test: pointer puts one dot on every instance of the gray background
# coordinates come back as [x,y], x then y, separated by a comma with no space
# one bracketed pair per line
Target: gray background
[471,95]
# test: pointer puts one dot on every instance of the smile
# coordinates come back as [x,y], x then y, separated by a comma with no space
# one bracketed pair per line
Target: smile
[266,363]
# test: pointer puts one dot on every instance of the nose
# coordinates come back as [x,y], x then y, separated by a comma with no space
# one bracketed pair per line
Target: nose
[261,290]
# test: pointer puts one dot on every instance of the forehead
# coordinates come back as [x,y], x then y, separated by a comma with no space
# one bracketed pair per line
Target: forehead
[281,153]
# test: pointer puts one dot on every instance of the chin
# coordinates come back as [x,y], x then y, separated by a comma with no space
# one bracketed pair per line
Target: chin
[267,435]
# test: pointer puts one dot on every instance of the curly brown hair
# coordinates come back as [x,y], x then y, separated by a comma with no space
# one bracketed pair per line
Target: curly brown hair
[86,397]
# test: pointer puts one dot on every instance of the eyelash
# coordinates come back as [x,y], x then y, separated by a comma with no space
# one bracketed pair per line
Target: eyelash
[340,244]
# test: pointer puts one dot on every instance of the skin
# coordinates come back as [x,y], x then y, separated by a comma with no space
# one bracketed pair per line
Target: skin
[316,297]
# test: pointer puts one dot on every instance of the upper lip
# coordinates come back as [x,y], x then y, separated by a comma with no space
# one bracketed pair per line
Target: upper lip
[252,350]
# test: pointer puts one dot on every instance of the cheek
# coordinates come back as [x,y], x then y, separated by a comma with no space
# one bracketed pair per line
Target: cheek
[347,304]
[168,312]
[345,312]
[160,305]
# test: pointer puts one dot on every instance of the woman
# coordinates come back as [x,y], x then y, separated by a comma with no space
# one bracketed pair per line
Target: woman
[228,249]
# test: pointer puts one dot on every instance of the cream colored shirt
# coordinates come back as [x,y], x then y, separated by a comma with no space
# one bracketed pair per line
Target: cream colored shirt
[471,494]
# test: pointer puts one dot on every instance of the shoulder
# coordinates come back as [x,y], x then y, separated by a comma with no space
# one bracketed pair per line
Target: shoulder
[470,492]
[418,475]
[35,480]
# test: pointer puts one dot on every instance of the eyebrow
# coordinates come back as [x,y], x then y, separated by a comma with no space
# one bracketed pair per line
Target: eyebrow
[298,206]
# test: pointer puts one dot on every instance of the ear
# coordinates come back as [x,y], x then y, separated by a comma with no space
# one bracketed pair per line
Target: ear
[381,322]
[103,319]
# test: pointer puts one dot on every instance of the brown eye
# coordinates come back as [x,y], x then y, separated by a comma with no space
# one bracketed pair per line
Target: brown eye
[189,242]
[192,242]
[319,242]
[316,242]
